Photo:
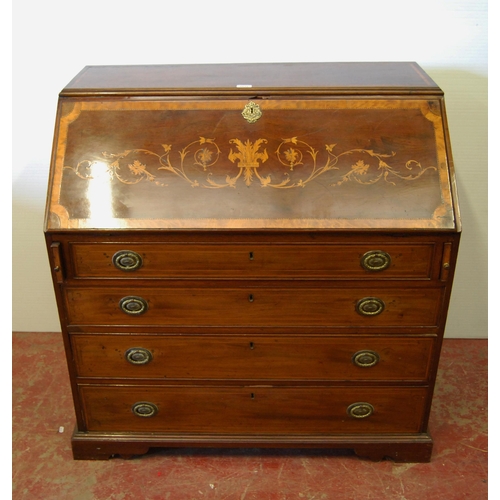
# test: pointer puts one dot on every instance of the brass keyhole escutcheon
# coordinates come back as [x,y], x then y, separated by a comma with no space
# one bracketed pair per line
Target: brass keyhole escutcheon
[251,112]
[370,306]
[360,410]
[144,409]
[127,260]
[138,356]
[365,359]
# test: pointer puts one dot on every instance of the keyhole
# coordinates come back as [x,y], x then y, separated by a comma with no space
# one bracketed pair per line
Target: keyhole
[251,345]
[250,298]
[252,396]
[251,255]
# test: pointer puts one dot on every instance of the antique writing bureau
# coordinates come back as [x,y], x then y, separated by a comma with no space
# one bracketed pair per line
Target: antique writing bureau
[252,255]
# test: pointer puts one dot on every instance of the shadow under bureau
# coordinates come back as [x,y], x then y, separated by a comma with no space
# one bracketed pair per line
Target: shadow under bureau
[255,255]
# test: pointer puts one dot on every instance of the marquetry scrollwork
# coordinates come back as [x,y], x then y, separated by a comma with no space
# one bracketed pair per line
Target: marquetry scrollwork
[199,164]
[127,168]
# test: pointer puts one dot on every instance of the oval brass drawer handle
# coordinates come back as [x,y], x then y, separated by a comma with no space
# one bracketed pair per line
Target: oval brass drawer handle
[360,410]
[370,306]
[133,305]
[127,260]
[144,409]
[138,356]
[375,260]
[365,359]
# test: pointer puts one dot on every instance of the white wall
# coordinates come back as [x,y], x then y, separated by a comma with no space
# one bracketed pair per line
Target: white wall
[54,39]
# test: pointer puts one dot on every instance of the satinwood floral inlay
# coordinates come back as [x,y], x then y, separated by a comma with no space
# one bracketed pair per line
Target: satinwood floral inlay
[363,166]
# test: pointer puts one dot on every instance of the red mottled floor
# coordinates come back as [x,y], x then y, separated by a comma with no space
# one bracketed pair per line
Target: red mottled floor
[43,467]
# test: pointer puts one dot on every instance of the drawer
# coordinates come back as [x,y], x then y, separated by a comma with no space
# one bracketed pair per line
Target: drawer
[252,410]
[143,260]
[254,306]
[243,357]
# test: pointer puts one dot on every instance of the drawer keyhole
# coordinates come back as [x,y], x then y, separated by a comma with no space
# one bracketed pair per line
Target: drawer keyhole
[250,255]
[250,297]
[252,346]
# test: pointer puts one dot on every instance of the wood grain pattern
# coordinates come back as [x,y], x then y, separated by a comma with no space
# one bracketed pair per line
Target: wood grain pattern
[297,166]
[246,357]
[254,306]
[252,409]
[409,260]
[279,78]
[220,231]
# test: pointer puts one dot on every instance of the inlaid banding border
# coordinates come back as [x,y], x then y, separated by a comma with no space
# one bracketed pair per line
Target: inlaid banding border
[443,216]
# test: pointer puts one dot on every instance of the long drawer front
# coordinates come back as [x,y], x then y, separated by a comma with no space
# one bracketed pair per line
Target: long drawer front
[253,410]
[160,260]
[242,357]
[254,306]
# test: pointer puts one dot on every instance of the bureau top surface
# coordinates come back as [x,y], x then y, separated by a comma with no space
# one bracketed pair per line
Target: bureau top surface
[239,78]
[252,160]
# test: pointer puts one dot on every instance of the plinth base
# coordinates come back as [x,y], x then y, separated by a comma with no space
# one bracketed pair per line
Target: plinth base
[396,447]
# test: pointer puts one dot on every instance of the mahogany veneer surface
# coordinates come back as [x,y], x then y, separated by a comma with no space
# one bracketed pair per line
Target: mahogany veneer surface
[252,254]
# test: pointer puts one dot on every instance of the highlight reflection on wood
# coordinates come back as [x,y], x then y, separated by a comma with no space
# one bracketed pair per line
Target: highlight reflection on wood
[214,148]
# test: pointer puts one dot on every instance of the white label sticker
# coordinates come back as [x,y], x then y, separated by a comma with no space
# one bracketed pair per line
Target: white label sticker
[244,86]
